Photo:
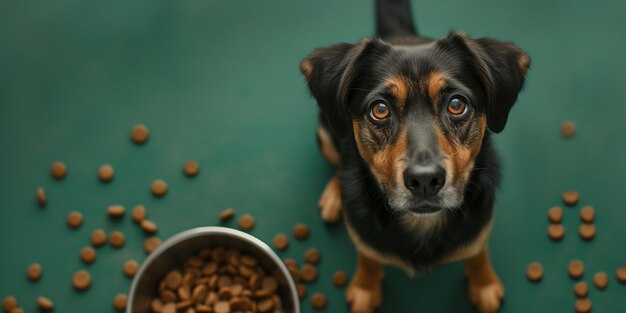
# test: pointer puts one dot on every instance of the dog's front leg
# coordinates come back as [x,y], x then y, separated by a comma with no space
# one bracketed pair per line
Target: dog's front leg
[330,201]
[364,293]
[484,286]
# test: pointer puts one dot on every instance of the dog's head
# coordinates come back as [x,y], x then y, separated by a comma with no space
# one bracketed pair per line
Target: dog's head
[418,113]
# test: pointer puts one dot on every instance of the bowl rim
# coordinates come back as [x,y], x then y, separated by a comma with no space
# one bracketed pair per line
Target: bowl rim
[213,230]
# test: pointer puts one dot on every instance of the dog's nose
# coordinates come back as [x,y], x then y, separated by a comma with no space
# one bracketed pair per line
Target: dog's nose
[424,181]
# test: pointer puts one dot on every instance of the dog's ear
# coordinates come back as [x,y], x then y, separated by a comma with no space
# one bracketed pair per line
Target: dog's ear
[329,72]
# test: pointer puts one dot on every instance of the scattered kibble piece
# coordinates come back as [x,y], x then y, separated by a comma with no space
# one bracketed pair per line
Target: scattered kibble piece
[105,173]
[581,289]
[576,269]
[568,129]
[149,226]
[81,280]
[98,237]
[139,134]
[318,301]
[620,274]
[312,256]
[340,278]
[556,231]
[301,231]
[571,197]
[600,280]
[34,272]
[130,268]
[191,168]
[587,214]
[159,188]
[587,231]
[117,239]
[281,242]
[119,302]
[583,306]
[88,255]
[9,303]
[17,310]
[151,244]
[555,214]
[246,222]
[45,304]
[139,213]
[116,211]
[227,214]
[534,271]
[74,219]
[308,273]
[301,290]
[41,197]
[59,170]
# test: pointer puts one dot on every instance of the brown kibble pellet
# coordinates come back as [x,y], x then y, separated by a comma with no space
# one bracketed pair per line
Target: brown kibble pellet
[149,226]
[222,307]
[156,305]
[340,278]
[105,173]
[139,134]
[130,268]
[116,211]
[74,219]
[556,231]
[169,308]
[45,304]
[600,280]
[568,129]
[88,255]
[312,256]
[34,272]
[98,237]
[555,214]
[620,274]
[318,301]
[59,170]
[41,197]
[117,239]
[587,231]
[587,214]
[301,231]
[81,280]
[119,301]
[581,289]
[191,168]
[571,197]
[308,273]
[9,303]
[139,213]
[583,306]
[227,214]
[281,242]
[576,269]
[159,188]
[246,222]
[173,280]
[301,290]
[534,271]
[151,244]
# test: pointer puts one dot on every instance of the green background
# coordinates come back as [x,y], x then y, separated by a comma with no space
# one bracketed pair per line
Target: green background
[218,81]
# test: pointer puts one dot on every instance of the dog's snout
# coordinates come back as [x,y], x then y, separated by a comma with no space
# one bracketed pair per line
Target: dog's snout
[424,181]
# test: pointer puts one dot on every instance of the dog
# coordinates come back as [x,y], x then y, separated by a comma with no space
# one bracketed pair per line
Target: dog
[407,122]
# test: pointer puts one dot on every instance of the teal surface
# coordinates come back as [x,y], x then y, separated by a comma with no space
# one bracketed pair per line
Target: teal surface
[218,81]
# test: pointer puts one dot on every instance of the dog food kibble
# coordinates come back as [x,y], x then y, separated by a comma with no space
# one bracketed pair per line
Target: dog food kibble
[105,173]
[139,134]
[571,197]
[587,231]
[139,213]
[159,188]
[576,269]
[312,256]
[119,302]
[169,308]
[130,268]
[17,310]
[301,231]
[620,274]
[246,222]
[45,304]
[9,303]
[556,231]
[98,237]
[117,239]
[81,280]
[149,226]
[34,272]
[600,280]
[583,306]
[88,255]
[587,214]
[41,197]
[301,290]
[555,214]
[59,170]
[534,271]
[116,211]
[151,244]
[568,129]
[191,168]
[340,278]
[318,301]
[281,242]
[581,289]
[308,273]
[74,219]
[227,214]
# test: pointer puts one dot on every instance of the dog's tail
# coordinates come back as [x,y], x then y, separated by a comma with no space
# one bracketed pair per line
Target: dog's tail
[393,19]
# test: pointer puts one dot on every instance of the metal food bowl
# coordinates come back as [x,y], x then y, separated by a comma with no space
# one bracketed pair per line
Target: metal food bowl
[175,250]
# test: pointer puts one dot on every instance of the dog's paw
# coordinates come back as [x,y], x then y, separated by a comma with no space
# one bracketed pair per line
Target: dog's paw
[486,297]
[362,300]
[330,201]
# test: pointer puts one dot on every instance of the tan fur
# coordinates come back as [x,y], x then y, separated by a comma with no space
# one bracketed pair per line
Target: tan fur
[327,147]
[485,290]
[306,68]
[399,88]
[330,201]
[460,158]
[435,83]
[524,62]
[364,293]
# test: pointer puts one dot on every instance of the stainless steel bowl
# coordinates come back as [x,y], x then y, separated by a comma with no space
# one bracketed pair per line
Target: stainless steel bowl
[176,249]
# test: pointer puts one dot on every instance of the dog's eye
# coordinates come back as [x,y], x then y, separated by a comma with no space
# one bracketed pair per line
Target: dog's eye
[457,107]
[379,111]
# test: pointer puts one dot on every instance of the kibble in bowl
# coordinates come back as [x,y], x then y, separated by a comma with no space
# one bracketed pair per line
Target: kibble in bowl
[214,267]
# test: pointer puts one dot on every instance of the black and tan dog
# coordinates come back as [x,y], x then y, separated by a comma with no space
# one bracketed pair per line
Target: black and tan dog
[407,121]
